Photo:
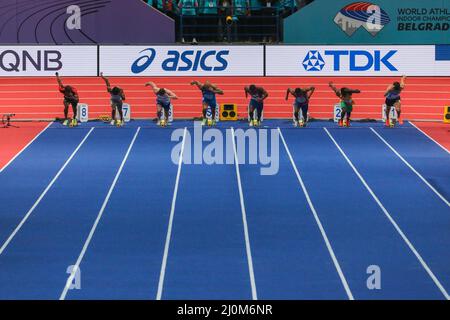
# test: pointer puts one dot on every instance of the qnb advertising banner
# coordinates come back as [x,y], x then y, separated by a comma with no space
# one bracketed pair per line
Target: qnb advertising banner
[182,60]
[46,60]
[358,60]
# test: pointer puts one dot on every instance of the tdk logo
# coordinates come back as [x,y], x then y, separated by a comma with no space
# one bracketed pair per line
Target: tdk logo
[313,61]
[187,60]
[357,60]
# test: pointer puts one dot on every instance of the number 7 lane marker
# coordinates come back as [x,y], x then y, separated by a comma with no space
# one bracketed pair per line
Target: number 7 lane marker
[162,273]
[97,220]
[412,168]
[27,215]
[319,223]
[244,221]
[400,232]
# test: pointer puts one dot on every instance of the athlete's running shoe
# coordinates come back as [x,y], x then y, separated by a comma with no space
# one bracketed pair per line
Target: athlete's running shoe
[400,121]
[340,123]
[203,122]
[65,122]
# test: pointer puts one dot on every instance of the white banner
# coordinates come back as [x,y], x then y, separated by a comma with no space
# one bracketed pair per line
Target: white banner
[46,60]
[181,60]
[356,61]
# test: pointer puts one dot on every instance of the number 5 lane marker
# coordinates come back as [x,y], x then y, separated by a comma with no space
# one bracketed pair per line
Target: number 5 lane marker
[25,218]
[99,216]
[400,232]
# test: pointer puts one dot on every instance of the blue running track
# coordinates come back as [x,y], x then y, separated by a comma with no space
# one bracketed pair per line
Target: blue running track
[142,225]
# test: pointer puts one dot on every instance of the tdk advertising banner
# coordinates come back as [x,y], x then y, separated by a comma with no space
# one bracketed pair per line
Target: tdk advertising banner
[182,60]
[46,60]
[357,61]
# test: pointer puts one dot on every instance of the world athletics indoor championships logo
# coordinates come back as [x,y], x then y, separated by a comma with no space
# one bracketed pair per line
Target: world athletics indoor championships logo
[361,14]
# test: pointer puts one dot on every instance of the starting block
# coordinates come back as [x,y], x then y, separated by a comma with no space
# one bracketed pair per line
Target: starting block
[82,112]
[392,113]
[337,112]
[248,112]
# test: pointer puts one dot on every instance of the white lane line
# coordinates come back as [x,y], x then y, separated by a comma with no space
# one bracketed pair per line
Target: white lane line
[440,145]
[25,218]
[396,226]
[23,149]
[97,220]
[319,223]
[162,273]
[244,220]
[412,168]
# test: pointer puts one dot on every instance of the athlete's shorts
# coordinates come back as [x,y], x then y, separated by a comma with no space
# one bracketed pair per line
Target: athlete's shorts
[258,105]
[73,102]
[347,106]
[165,106]
[210,103]
[391,102]
[116,103]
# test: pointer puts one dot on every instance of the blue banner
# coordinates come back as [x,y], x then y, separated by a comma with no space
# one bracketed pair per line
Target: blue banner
[364,22]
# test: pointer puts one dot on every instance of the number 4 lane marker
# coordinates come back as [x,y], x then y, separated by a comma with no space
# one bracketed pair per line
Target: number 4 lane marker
[25,218]
[400,232]
[97,220]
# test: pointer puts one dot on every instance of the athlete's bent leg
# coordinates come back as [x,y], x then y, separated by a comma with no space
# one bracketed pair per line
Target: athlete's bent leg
[66,109]
[398,108]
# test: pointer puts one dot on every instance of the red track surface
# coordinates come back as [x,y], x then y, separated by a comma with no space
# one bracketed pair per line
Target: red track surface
[13,140]
[38,98]
[438,131]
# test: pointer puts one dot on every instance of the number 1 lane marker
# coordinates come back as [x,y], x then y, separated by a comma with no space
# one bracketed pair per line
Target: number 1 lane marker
[25,218]
[318,222]
[97,220]
[400,232]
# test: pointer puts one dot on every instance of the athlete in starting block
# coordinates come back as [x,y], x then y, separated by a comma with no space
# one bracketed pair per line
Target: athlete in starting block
[258,95]
[301,102]
[163,102]
[209,92]
[117,98]
[70,98]
[392,95]
[347,103]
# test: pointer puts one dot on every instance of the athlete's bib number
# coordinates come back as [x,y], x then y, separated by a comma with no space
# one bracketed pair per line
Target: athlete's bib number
[337,112]
[82,112]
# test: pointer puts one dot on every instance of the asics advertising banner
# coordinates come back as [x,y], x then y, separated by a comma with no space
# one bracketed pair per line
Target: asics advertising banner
[182,60]
[46,60]
[392,60]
